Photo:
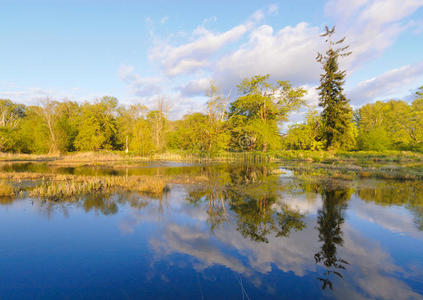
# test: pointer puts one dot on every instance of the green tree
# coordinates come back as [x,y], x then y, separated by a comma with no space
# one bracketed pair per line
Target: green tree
[414,124]
[11,116]
[34,132]
[305,136]
[373,131]
[48,113]
[337,113]
[217,135]
[132,128]
[97,126]
[66,125]
[159,124]
[390,125]
[255,115]
[142,140]
[191,134]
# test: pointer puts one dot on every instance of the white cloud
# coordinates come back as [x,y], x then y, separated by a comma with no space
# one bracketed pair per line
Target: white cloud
[202,50]
[177,60]
[372,271]
[196,87]
[287,54]
[164,19]
[386,85]
[370,26]
[140,86]
[34,96]
[395,219]
[273,9]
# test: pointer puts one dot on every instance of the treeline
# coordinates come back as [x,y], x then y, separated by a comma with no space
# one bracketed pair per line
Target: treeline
[390,125]
[251,122]
[248,123]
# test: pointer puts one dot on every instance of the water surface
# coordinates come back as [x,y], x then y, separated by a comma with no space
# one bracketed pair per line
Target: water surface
[247,232]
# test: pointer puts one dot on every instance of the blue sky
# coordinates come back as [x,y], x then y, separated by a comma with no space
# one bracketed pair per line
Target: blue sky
[139,50]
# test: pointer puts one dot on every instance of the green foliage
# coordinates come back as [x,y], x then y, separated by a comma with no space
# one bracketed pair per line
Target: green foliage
[134,131]
[255,115]
[11,115]
[305,136]
[66,126]
[204,134]
[97,126]
[158,125]
[391,125]
[250,123]
[191,133]
[338,129]
[34,132]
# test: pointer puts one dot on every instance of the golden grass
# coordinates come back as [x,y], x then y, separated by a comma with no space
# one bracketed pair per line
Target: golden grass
[68,185]
[105,157]
[6,190]
[27,157]
[25,175]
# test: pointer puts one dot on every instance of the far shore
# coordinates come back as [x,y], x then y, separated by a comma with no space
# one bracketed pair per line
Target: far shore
[403,165]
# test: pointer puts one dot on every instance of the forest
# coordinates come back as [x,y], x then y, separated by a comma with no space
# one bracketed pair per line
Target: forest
[251,121]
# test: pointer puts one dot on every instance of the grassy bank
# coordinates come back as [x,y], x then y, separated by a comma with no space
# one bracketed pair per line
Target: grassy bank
[386,164]
[351,156]
[282,155]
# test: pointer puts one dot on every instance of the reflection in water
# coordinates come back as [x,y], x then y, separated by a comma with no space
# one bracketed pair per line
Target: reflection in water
[253,196]
[247,221]
[403,193]
[329,224]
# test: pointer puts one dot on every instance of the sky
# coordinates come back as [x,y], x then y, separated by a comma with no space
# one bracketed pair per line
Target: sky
[138,51]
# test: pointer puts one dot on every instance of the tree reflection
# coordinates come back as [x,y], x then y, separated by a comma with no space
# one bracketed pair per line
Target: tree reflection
[329,224]
[388,193]
[214,194]
[252,196]
[100,203]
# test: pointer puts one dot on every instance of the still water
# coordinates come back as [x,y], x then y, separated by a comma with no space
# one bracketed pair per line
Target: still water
[247,232]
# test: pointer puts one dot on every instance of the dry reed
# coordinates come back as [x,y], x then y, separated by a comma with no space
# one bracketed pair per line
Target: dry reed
[6,190]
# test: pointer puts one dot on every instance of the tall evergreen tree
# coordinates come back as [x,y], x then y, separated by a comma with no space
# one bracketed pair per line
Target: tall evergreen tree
[339,131]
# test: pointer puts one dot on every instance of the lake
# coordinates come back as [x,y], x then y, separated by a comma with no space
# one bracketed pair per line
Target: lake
[232,232]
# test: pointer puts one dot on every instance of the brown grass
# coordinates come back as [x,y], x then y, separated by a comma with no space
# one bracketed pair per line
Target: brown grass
[25,175]
[67,185]
[6,190]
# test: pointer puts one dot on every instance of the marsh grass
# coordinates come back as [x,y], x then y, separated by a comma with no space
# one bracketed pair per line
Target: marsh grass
[111,158]
[6,190]
[364,157]
[27,157]
[18,176]
[351,171]
[68,185]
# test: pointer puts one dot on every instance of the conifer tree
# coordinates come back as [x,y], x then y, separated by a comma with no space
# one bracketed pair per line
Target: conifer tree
[339,131]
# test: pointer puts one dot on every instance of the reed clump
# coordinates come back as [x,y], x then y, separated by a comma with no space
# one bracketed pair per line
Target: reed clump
[68,185]
[6,190]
